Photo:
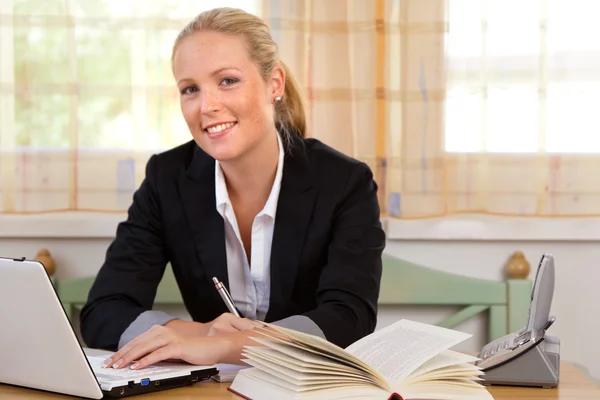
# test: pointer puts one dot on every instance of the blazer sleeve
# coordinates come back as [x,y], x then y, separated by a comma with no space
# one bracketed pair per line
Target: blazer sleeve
[126,284]
[349,283]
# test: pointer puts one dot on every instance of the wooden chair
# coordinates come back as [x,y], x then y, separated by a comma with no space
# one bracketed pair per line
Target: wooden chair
[507,302]
[403,283]
[73,292]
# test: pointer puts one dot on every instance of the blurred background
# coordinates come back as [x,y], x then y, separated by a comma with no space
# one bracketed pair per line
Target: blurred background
[479,119]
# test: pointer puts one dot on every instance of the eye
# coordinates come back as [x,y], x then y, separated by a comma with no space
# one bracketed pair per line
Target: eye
[229,81]
[189,90]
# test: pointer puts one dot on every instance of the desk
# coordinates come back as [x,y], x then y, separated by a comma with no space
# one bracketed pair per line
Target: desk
[573,386]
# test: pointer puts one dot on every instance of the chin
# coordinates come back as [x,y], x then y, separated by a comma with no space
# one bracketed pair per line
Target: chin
[222,153]
[224,156]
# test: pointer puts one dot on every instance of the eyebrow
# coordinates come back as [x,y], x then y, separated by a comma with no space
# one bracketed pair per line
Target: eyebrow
[215,72]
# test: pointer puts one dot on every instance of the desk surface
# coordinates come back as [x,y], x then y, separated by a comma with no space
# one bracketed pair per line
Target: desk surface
[573,386]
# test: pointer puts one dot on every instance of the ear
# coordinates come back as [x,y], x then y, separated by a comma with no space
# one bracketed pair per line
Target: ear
[277,82]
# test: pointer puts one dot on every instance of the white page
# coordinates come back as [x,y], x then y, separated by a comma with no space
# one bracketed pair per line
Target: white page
[300,378]
[445,359]
[290,362]
[397,350]
[305,373]
[311,356]
[300,341]
[302,354]
[262,382]
[314,343]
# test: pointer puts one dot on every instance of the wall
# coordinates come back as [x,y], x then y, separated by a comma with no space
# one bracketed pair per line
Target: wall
[476,247]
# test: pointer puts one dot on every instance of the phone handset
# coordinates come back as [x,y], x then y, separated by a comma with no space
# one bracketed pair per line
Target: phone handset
[541,295]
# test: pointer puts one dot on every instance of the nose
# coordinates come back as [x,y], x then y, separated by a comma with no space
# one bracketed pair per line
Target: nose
[209,103]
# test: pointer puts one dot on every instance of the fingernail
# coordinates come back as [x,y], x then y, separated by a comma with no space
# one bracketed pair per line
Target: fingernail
[135,365]
[107,362]
[116,365]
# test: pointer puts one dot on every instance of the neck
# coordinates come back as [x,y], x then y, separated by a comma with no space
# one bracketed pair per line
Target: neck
[251,177]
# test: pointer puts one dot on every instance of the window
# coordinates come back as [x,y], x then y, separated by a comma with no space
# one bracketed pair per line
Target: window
[93,73]
[523,76]
[86,95]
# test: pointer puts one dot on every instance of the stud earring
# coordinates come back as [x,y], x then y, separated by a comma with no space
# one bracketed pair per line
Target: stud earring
[277,99]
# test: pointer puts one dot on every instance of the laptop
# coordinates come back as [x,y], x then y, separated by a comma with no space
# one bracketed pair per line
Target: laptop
[40,350]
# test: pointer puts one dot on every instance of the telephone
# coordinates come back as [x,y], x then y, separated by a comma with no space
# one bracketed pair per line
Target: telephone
[527,357]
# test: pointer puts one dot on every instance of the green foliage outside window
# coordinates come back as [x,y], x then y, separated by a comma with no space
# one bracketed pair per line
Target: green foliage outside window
[76,74]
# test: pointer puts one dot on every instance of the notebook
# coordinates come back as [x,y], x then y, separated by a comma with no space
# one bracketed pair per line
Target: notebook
[406,360]
[40,350]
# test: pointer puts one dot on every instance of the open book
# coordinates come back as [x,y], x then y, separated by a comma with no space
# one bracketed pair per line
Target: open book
[406,360]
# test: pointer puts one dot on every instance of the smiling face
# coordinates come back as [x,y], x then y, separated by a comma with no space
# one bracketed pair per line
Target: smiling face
[225,101]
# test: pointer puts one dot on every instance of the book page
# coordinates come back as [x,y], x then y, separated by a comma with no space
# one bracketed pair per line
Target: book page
[448,374]
[306,340]
[297,378]
[397,350]
[273,379]
[315,357]
[319,346]
[255,384]
[444,359]
[277,357]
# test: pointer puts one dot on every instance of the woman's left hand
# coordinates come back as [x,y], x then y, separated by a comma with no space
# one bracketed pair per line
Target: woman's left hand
[161,343]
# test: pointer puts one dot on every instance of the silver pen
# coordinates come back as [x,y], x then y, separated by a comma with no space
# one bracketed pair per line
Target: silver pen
[226,297]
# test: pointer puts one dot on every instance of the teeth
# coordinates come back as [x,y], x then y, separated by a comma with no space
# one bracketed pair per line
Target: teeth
[219,128]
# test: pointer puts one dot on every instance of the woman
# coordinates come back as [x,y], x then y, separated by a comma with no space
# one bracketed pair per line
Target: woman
[288,224]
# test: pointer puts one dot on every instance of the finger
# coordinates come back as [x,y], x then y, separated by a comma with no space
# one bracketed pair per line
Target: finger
[117,358]
[164,353]
[258,324]
[224,317]
[227,318]
[144,349]
[221,328]
[242,324]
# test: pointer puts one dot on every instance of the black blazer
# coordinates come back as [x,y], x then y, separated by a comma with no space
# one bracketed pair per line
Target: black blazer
[325,257]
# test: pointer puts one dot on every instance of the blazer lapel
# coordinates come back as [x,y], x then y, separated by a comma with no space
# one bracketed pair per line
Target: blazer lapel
[294,210]
[197,191]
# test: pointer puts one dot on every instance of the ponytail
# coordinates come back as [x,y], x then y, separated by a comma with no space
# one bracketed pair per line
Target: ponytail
[290,114]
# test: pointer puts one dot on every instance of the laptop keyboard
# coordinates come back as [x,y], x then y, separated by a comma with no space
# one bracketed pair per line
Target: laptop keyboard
[124,373]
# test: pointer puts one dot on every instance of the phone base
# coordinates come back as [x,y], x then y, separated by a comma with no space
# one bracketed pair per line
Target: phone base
[538,367]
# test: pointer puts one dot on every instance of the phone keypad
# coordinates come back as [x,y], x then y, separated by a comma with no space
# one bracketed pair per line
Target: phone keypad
[522,339]
[504,344]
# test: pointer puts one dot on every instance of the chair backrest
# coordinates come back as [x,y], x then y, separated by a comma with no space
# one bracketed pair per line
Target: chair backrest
[73,292]
[403,283]
[406,283]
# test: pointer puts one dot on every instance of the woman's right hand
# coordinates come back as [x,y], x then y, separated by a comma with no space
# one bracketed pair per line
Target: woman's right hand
[227,323]
[224,323]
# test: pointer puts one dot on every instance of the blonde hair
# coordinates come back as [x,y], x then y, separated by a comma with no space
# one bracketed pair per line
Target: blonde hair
[290,115]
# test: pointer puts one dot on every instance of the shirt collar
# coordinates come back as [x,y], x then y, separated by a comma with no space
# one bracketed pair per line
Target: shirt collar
[222,195]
